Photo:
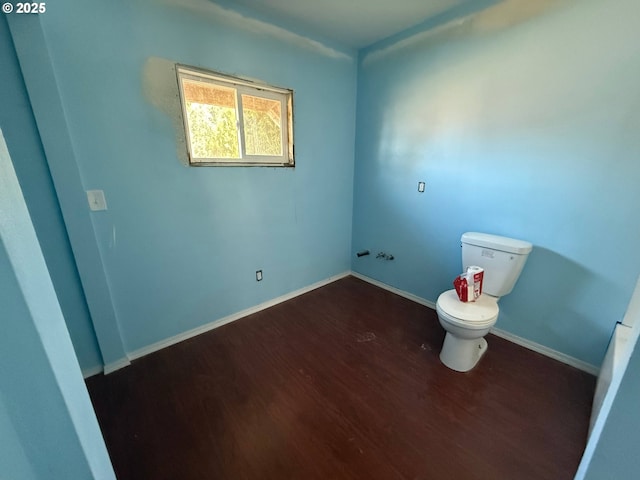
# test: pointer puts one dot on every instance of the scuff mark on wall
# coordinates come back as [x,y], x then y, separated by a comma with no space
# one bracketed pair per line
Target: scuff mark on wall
[229,17]
[160,88]
[496,18]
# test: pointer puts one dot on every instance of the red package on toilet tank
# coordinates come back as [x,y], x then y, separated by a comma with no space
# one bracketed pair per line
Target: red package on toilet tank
[469,284]
[462,287]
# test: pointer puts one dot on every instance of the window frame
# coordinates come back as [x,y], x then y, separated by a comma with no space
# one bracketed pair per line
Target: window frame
[241,87]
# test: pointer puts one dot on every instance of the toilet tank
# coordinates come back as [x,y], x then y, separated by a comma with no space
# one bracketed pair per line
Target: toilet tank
[501,257]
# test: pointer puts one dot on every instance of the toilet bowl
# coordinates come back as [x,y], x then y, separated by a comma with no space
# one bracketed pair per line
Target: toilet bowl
[466,324]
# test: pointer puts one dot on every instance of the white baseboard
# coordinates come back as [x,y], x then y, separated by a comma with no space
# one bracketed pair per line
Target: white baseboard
[141,352]
[523,342]
[117,365]
[397,291]
[546,351]
[90,372]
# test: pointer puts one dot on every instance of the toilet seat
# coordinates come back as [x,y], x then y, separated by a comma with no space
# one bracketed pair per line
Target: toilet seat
[475,315]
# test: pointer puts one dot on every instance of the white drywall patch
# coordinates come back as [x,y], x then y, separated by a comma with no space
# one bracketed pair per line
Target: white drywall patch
[160,88]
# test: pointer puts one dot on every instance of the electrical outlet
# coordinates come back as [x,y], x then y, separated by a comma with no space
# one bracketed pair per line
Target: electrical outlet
[421,187]
[96,200]
[258,275]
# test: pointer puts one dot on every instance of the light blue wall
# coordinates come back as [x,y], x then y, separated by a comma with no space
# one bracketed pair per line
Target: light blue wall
[616,455]
[179,245]
[16,120]
[539,116]
[47,424]
[42,87]
[520,127]
[40,426]
[13,458]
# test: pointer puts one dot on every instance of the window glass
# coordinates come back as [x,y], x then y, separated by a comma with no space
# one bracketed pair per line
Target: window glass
[231,121]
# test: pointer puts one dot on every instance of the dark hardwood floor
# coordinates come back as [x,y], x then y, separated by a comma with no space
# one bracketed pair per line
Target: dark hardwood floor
[343,382]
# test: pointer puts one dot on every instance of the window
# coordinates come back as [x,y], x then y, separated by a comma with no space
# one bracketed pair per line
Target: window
[230,121]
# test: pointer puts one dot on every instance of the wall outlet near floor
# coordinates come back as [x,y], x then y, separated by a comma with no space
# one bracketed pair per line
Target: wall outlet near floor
[258,275]
[421,187]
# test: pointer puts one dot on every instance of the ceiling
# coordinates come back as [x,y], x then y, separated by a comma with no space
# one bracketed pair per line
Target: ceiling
[353,23]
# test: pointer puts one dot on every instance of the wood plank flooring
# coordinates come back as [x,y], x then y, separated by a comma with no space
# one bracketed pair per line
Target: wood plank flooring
[343,382]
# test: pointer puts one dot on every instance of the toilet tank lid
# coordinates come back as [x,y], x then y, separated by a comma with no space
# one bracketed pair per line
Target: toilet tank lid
[496,242]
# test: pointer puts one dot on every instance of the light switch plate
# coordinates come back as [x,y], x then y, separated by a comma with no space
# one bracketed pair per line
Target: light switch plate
[96,200]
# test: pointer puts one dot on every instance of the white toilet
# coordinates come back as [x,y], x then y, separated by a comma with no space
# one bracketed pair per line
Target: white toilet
[466,324]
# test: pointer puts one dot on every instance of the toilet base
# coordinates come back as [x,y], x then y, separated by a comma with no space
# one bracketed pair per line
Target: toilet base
[462,354]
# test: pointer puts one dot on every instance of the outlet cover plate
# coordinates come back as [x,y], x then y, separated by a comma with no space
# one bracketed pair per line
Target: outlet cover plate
[96,200]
